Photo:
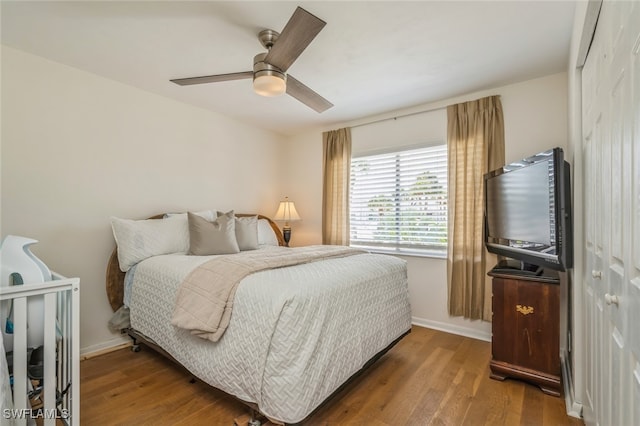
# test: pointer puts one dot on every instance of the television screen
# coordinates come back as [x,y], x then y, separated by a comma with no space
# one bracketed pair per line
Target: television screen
[527,211]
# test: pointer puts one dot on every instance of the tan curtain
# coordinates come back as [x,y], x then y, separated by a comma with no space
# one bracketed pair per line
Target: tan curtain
[475,138]
[336,165]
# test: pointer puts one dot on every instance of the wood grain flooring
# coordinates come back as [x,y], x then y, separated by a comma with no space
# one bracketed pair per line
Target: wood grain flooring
[428,378]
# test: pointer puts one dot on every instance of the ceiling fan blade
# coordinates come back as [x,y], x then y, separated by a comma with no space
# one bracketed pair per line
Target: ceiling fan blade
[299,32]
[213,78]
[306,95]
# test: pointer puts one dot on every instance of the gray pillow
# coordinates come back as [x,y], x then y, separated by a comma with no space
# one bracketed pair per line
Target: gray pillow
[246,231]
[217,237]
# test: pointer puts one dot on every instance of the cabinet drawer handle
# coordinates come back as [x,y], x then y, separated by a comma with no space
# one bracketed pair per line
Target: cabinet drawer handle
[611,299]
[596,274]
[524,310]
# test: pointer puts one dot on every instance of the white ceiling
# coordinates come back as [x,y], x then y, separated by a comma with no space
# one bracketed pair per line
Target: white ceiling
[371,58]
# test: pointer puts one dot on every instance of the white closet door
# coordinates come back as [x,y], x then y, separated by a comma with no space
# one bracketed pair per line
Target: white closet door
[632,305]
[611,151]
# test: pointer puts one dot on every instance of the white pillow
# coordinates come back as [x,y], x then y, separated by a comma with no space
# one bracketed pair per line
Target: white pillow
[140,239]
[266,236]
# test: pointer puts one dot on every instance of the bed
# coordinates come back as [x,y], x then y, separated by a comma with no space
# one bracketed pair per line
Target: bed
[296,334]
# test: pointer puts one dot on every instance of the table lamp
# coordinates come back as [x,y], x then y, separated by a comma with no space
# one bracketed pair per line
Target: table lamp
[286,213]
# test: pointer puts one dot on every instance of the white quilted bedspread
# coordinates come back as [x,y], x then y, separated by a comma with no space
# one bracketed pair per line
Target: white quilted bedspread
[296,333]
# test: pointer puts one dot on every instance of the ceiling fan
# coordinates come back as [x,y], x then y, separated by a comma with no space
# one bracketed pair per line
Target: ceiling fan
[269,68]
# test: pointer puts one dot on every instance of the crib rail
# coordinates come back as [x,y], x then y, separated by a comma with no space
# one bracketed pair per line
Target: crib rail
[61,378]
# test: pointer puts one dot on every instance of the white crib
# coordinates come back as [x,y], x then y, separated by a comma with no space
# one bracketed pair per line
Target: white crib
[61,356]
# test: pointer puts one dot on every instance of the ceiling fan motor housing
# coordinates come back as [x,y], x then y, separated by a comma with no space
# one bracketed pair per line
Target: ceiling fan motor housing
[268,38]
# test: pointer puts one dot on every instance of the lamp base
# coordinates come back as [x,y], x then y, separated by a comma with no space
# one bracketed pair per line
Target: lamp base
[286,234]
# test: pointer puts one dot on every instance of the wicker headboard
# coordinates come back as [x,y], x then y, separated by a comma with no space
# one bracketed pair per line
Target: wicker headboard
[115,277]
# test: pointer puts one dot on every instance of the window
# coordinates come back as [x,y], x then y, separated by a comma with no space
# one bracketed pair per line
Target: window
[398,200]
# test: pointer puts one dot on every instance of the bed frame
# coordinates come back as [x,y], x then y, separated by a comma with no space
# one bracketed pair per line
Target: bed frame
[115,294]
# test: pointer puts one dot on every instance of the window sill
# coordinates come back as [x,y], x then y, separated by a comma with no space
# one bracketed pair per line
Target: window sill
[404,252]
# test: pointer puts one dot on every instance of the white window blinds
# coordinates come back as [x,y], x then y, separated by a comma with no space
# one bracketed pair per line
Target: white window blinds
[398,200]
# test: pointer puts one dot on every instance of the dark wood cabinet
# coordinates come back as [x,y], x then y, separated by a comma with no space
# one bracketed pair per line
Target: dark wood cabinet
[525,327]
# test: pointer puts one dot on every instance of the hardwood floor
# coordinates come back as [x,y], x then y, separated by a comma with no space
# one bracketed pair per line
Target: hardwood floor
[428,378]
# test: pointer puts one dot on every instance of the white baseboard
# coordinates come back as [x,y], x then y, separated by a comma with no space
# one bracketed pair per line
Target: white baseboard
[453,329]
[574,408]
[104,347]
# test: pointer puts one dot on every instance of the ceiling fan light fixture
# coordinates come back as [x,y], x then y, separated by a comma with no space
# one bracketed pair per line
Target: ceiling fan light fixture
[267,83]
[268,80]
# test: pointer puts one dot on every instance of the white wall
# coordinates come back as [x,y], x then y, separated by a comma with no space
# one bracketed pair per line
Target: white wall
[78,148]
[535,114]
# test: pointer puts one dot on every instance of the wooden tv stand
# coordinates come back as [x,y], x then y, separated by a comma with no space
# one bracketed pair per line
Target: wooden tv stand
[525,327]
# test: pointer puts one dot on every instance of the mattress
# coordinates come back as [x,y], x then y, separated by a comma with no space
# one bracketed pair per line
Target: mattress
[296,333]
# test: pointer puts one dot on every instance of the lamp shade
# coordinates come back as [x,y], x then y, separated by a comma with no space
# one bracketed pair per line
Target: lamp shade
[286,211]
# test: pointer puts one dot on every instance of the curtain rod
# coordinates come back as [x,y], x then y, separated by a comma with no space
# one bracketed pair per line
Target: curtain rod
[399,116]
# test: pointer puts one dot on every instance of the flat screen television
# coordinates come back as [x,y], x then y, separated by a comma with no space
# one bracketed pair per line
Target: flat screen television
[528,214]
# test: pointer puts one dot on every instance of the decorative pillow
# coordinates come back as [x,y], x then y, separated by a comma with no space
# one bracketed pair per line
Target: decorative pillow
[246,231]
[217,237]
[141,239]
[206,214]
[266,236]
